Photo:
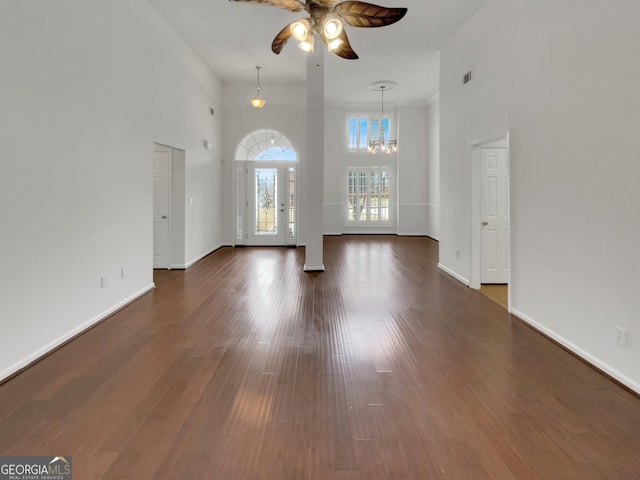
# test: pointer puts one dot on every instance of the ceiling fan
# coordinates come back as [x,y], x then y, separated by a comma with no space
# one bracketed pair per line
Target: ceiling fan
[327,19]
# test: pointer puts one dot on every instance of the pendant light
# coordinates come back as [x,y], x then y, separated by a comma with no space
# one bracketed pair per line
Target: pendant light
[256,101]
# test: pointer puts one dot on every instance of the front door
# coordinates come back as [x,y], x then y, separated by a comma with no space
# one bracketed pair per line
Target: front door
[270,202]
[494,239]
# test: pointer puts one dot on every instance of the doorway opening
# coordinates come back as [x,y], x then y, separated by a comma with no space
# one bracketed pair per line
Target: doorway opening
[265,198]
[490,219]
[168,207]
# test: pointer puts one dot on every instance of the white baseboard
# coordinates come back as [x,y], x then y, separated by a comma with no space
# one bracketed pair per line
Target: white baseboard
[41,352]
[201,256]
[596,362]
[308,268]
[453,274]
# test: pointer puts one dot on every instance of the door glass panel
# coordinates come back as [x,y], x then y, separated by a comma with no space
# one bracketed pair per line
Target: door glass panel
[384,195]
[374,197]
[362,200]
[291,217]
[266,184]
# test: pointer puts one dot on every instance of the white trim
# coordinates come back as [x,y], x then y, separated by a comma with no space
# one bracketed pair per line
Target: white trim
[368,231]
[595,361]
[501,141]
[410,204]
[415,234]
[204,254]
[453,274]
[313,269]
[41,352]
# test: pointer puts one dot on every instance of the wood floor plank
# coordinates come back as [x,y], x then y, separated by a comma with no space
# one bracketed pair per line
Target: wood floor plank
[382,367]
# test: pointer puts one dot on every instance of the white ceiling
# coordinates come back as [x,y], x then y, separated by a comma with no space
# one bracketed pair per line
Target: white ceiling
[233,37]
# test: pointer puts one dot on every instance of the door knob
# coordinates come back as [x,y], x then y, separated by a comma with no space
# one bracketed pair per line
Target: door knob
[484,224]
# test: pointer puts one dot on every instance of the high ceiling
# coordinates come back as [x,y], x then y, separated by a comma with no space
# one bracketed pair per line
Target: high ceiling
[234,37]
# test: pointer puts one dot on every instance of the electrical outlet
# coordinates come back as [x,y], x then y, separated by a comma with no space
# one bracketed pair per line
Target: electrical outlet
[621,337]
[457,253]
[104,281]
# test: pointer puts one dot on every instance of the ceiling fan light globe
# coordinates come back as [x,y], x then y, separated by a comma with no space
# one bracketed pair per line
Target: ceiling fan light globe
[332,45]
[332,27]
[300,29]
[307,44]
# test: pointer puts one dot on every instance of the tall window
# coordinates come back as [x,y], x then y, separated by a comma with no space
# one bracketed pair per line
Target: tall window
[368,195]
[363,128]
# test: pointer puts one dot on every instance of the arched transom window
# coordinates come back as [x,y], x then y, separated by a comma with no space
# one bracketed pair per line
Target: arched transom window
[265,145]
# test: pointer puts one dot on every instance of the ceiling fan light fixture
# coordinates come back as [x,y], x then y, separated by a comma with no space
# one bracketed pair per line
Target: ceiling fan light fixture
[307,44]
[300,29]
[328,18]
[331,26]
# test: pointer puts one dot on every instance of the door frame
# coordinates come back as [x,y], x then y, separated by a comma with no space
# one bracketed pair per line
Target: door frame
[241,199]
[475,216]
[177,205]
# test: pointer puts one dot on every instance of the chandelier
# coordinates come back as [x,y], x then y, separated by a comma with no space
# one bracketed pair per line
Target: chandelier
[377,143]
[256,101]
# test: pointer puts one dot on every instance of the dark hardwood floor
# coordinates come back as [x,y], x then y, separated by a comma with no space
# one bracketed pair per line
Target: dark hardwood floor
[382,367]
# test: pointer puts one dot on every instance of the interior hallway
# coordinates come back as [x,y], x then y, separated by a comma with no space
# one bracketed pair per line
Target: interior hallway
[244,367]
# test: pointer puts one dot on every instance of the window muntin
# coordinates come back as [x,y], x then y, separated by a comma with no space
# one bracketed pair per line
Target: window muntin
[361,129]
[368,195]
[265,145]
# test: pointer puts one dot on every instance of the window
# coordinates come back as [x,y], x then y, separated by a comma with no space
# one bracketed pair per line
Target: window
[265,145]
[363,128]
[368,195]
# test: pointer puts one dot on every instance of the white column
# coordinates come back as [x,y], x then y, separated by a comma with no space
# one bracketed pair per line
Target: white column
[314,162]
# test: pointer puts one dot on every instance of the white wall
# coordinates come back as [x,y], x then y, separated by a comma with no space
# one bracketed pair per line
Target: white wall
[413,170]
[562,78]
[414,164]
[87,88]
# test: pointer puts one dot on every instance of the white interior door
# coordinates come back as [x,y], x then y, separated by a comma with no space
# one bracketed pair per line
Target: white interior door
[494,238]
[270,203]
[161,206]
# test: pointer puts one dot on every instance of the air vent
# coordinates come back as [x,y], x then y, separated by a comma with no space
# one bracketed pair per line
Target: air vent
[466,78]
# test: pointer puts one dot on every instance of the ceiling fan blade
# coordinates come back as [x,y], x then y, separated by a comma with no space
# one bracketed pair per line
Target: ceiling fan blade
[345,50]
[324,3]
[367,15]
[281,39]
[292,5]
